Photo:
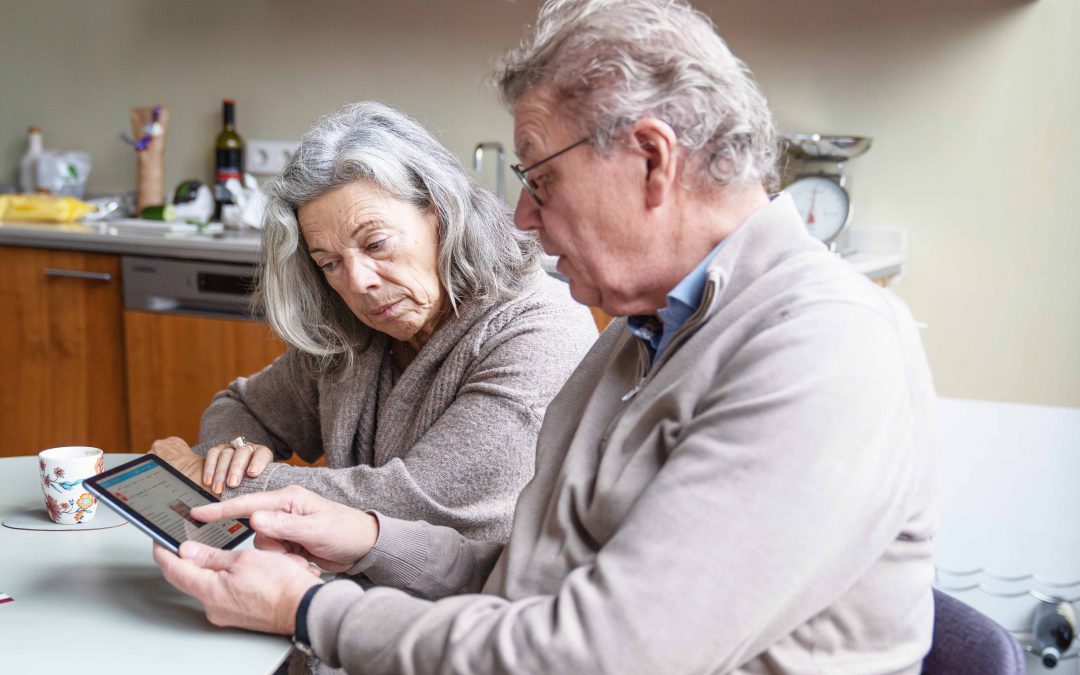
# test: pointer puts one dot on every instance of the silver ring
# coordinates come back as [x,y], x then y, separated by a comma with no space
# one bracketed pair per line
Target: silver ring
[238,442]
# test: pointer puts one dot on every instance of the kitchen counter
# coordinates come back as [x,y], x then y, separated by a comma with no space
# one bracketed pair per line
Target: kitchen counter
[147,238]
[879,254]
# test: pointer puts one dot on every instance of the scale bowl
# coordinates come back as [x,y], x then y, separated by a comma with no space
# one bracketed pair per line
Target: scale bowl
[817,146]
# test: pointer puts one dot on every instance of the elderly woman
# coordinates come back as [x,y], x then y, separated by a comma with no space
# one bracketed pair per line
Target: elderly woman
[425,340]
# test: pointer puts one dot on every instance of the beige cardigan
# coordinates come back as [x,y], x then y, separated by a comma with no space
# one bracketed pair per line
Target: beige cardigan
[451,442]
[763,504]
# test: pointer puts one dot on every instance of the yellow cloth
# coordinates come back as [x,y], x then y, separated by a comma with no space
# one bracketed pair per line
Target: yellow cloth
[42,208]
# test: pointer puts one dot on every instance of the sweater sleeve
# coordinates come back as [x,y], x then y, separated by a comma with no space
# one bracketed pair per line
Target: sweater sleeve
[276,407]
[426,560]
[469,466]
[782,490]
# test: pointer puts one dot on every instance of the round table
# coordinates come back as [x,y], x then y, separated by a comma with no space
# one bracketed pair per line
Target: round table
[94,601]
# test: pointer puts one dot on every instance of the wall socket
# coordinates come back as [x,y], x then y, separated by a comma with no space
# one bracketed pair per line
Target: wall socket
[268,158]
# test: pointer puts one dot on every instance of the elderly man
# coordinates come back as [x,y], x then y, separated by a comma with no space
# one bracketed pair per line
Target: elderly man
[738,476]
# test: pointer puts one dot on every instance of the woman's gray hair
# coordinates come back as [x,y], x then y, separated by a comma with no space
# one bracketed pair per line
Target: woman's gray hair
[613,62]
[482,257]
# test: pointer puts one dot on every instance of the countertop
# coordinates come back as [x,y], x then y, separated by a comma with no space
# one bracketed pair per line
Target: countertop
[137,238]
[879,254]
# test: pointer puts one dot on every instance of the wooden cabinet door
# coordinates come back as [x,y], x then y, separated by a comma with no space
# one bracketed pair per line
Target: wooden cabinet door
[61,351]
[176,363]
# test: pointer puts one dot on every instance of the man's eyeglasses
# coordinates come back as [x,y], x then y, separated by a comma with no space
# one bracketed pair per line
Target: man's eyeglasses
[530,185]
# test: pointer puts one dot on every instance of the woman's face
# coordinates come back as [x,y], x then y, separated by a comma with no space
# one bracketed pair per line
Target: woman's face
[380,255]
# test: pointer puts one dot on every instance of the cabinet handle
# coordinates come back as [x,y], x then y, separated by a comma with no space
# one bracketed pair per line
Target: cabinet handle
[77,274]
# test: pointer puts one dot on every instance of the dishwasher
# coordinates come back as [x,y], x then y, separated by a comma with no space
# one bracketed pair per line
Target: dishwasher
[193,287]
[189,330]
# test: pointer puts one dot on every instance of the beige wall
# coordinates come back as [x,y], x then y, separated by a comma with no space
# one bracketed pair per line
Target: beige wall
[973,105]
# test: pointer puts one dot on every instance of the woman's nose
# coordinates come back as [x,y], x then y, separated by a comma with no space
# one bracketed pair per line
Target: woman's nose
[527,213]
[363,276]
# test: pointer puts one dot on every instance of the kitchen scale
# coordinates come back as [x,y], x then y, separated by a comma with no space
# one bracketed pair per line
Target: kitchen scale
[814,177]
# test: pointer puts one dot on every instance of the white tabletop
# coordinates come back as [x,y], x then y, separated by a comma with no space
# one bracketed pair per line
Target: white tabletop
[94,601]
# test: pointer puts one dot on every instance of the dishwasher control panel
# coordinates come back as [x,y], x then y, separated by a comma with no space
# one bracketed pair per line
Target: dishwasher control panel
[189,287]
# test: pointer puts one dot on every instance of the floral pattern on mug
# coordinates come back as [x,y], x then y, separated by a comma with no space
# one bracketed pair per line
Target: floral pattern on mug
[53,506]
[61,486]
[99,466]
[76,507]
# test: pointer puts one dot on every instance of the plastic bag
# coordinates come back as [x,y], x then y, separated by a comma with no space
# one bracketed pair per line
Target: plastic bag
[249,203]
[63,173]
[42,209]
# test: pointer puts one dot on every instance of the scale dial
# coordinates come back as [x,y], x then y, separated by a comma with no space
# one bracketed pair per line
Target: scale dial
[824,205]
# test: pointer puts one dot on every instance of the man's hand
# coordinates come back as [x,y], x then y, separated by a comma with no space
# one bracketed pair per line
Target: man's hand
[295,520]
[179,454]
[248,589]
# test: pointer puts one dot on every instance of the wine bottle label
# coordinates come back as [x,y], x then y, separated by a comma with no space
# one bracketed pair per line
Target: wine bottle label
[228,164]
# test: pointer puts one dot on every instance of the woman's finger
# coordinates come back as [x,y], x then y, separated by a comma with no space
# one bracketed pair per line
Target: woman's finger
[262,457]
[240,460]
[210,464]
[224,461]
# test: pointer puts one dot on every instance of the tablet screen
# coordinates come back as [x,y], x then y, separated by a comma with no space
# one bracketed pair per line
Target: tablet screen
[164,498]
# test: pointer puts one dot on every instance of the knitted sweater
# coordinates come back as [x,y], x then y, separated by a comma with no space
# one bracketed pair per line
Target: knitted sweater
[451,442]
[761,501]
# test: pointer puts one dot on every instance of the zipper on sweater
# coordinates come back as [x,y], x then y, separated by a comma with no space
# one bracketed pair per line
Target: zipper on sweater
[643,371]
[676,340]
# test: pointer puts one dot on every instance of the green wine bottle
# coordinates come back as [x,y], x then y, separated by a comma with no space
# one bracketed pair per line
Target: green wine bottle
[228,157]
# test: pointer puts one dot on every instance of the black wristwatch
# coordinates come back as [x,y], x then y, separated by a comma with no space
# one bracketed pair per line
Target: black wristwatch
[301,640]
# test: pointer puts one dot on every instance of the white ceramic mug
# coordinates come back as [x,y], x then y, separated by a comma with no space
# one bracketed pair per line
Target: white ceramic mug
[62,473]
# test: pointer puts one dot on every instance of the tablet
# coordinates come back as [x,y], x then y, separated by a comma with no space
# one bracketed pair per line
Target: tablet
[156,498]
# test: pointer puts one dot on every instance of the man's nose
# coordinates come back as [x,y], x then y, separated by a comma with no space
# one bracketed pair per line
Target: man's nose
[527,213]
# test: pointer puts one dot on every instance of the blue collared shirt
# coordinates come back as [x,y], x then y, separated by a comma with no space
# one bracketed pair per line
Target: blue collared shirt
[683,300]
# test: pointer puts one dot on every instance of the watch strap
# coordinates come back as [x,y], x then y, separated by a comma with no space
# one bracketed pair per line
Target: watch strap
[301,639]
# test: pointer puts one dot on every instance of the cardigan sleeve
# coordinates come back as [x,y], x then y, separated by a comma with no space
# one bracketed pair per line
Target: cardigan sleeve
[467,469]
[428,561]
[276,407]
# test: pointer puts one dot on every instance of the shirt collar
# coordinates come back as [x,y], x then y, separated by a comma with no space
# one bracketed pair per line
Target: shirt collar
[687,292]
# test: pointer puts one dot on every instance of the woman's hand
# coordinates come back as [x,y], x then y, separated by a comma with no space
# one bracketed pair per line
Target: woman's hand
[295,520]
[226,465]
[249,589]
[223,464]
[179,454]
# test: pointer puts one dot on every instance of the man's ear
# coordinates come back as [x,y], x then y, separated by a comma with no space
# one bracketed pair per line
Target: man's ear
[658,145]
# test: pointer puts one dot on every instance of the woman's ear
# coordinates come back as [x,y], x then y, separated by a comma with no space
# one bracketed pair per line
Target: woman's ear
[658,145]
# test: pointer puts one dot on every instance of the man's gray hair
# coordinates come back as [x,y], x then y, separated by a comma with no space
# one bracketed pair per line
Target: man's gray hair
[482,257]
[613,62]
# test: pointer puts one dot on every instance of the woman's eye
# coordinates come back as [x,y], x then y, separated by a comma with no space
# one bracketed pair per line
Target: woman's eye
[328,266]
[376,245]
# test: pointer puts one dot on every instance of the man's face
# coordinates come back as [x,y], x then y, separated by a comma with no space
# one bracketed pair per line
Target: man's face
[592,213]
